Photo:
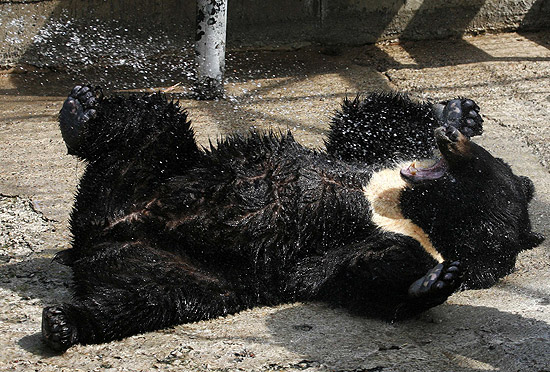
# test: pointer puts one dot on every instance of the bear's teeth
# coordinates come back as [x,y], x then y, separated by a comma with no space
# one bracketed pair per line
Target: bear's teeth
[412,168]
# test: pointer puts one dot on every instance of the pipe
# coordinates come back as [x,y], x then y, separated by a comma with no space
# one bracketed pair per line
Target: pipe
[210,48]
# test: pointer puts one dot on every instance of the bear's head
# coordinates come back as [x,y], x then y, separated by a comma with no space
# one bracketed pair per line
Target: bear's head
[473,208]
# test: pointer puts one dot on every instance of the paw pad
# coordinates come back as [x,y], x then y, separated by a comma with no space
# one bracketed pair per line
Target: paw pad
[440,281]
[462,114]
[78,109]
[57,331]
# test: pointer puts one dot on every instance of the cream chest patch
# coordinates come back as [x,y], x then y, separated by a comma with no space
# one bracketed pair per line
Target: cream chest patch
[383,193]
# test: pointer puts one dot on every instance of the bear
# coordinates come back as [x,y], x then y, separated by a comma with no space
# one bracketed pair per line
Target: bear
[400,211]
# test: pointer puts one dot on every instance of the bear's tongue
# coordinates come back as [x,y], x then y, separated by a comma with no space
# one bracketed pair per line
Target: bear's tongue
[414,173]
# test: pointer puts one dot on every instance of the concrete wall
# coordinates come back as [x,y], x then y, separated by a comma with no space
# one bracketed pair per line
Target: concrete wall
[64,32]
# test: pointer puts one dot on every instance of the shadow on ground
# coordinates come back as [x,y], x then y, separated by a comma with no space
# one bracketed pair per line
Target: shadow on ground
[489,340]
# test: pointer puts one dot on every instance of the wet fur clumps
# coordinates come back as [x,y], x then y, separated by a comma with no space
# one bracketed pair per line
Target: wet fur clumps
[397,130]
[165,232]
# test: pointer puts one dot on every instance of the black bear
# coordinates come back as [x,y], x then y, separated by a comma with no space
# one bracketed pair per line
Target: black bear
[166,232]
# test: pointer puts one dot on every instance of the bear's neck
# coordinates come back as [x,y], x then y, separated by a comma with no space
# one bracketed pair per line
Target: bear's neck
[383,192]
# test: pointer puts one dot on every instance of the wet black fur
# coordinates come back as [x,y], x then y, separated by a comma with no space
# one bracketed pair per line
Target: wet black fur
[396,129]
[165,232]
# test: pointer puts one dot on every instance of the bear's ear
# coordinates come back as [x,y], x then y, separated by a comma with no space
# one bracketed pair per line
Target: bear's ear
[528,187]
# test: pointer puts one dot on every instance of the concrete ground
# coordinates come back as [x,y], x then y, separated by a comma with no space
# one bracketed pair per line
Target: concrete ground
[505,328]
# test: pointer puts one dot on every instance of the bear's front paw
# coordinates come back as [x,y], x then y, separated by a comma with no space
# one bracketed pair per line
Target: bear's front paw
[57,330]
[77,110]
[463,114]
[439,282]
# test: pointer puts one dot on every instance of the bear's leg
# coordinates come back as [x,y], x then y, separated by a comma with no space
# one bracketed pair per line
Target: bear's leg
[148,127]
[382,127]
[461,113]
[386,283]
[132,288]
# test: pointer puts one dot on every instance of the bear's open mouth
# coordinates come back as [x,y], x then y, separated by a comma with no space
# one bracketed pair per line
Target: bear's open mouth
[418,172]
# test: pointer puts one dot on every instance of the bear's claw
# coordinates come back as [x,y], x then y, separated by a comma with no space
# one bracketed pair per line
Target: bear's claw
[77,110]
[441,281]
[461,113]
[57,330]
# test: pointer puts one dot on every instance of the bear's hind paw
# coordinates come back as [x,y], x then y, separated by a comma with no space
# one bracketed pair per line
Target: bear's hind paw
[57,331]
[77,110]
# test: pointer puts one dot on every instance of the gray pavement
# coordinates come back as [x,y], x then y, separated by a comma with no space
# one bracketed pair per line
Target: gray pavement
[504,328]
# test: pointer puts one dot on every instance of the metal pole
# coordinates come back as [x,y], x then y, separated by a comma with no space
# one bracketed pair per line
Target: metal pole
[210,48]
